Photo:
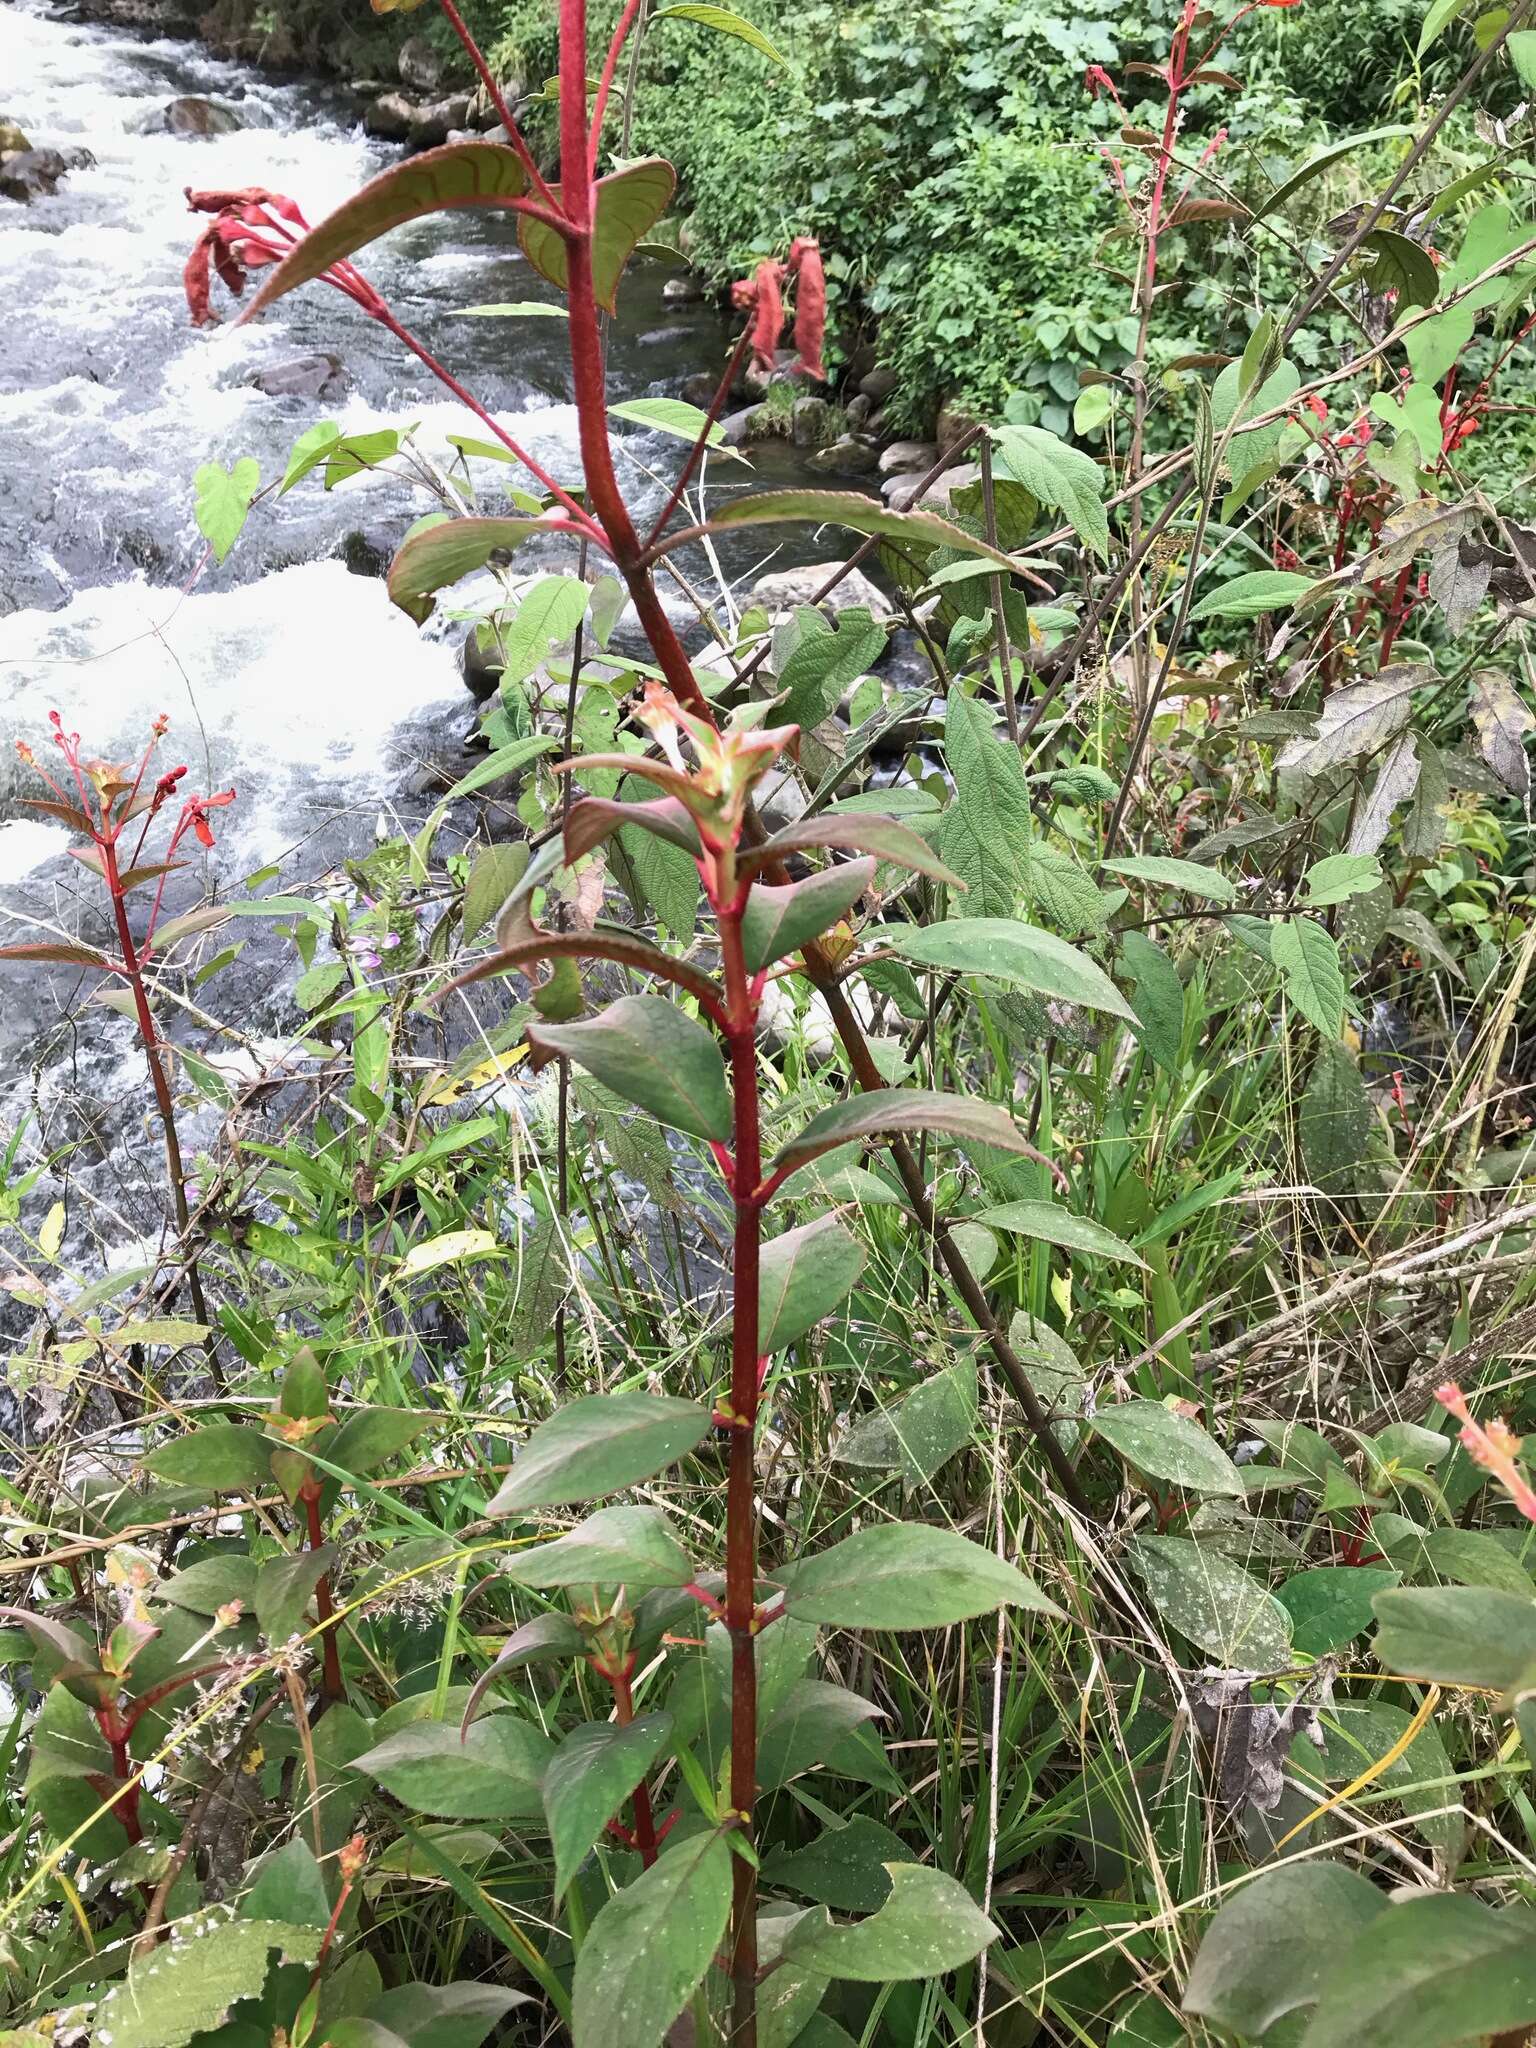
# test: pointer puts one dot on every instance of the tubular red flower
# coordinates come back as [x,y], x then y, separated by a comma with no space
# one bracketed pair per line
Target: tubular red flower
[762,296]
[810,305]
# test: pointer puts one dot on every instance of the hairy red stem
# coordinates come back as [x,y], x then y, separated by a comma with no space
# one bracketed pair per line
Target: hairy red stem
[331,1686]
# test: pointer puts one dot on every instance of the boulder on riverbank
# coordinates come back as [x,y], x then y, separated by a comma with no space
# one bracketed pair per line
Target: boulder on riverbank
[12,141]
[320,375]
[783,590]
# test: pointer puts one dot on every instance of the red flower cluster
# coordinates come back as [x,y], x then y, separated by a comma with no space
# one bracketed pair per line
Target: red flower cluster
[252,227]
[762,295]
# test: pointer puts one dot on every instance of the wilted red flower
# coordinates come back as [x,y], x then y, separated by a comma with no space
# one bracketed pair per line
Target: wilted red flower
[1096,79]
[252,227]
[198,807]
[810,304]
[762,296]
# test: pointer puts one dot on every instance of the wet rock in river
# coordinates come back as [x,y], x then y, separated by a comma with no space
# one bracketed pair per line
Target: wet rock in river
[12,139]
[193,115]
[390,117]
[849,455]
[432,124]
[783,589]
[35,173]
[313,376]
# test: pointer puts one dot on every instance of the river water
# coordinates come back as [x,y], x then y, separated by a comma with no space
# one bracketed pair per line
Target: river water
[283,671]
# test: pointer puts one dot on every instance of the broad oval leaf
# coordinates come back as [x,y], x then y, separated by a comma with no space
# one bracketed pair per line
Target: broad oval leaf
[903,1575]
[632,1547]
[459,174]
[589,1777]
[1003,949]
[223,1456]
[598,1444]
[1431,1971]
[491,1772]
[626,205]
[802,1276]
[884,1112]
[187,1988]
[845,508]
[650,1946]
[1461,1635]
[928,1926]
[596,818]
[777,922]
[1053,1225]
[1214,1602]
[653,1054]
[1308,959]
[1251,596]
[1357,720]
[1265,1953]
[427,562]
[1187,875]
[725,20]
[1166,1445]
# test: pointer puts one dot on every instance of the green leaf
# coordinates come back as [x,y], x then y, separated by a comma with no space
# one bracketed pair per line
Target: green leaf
[779,921]
[1438,19]
[989,822]
[884,1112]
[1336,1124]
[1329,1607]
[651,1945]
[1430,1971]
[1521,46]
[1339,877]
[461,174]
[826,661]
[1267,1950]
[370,1437]
[1187,875]
[589,1777]
[1251,596]
[1308,960]
[188,1986]
[492,1772]
[1157,996]
[223,1456]
[922,530]
[936,1420]
[283,1589]
[308,452]
[1052,1225]
[548,612]
[633,1547]
[425,2015]
[427,562]
[210,1583]
[514,309]
[1059,476]
[1350,146]
[598,1444]
[903,1575]
[806,1727]
[1059,887]
[803,1275]
[223,500]
[1214,1602]
[724,19]
[1472,1557]
[1166,1445]
[1459,1635]
[846,1866]
[671,416]
[627,205]
[289,1879]
[653,1054]
[1398,264]
[928,1926]
[1003,949]
[1359,719]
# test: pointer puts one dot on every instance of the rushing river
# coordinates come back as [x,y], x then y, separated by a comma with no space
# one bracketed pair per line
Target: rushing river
[284,671]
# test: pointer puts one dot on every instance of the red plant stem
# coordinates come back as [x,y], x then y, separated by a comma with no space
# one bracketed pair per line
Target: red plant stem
[605,83]
[166,1687]
[446,377]
[149,1037]
[115,1732]
[640,1804]
[331,1686]
[494,94]
[696,453]
[741,1506]
[1398,613]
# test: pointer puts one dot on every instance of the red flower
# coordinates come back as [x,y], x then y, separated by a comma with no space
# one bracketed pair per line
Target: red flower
[252,227]
[1096,80]
[198,807]
[762,295]
[810,304]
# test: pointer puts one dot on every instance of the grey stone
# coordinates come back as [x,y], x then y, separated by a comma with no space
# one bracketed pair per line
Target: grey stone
[903,457]
[899,491]
[700,388]
[434,122]
[419,66]
[686,290]
[858,409]
[738,428]
[390,117]
[313,376]
[811,423]
[12,139]
[782,590]
[32,174]
[943,488]
[195,116]
[480,668]
[878,384]
[848,456]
